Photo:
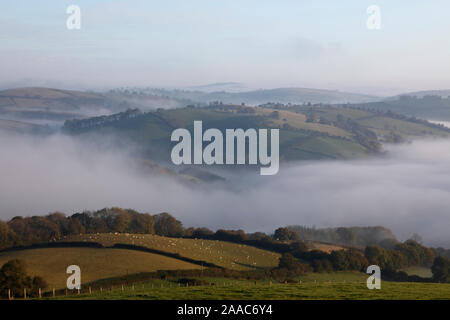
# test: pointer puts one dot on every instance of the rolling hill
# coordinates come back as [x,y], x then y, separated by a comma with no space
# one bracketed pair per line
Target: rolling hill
[112,258]
[288,95]
[219,86]
[430,105]
[423,93]
[306,132]
[45,103]
[225,254]
[58,105]
[204,94]
[95,263]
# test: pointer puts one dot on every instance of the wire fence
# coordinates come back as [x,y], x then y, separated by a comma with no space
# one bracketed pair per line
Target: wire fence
[96,290]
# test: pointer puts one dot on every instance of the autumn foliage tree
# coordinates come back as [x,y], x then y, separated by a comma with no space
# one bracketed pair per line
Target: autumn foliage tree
[13,277]
[284,234]
[166,225]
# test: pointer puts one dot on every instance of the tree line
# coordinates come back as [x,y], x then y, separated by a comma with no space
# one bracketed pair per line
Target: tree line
[29,230]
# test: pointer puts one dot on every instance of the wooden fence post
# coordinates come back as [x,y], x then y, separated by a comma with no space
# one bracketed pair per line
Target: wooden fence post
[101,290]
[9,294]
[122,287]
[24,293]
[78,290]
[90,290]
[40,293]
[53,292]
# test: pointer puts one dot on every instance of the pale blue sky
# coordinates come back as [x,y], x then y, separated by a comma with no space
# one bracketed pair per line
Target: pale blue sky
[261,43]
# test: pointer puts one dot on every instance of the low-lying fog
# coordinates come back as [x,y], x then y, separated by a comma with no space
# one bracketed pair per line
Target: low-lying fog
[444,123]
[408,190]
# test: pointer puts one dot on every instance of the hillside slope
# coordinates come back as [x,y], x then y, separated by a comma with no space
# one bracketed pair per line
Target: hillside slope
[95,263]
[46,103]
[225,254]
[431,105]
[50,104]
[306,132]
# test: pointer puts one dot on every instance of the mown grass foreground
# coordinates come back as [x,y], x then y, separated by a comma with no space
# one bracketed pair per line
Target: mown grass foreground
[292,291]
[311,286]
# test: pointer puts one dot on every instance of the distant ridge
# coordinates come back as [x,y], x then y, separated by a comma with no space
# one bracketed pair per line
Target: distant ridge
[421,94]
[220,86]
[291,95]
[262,96]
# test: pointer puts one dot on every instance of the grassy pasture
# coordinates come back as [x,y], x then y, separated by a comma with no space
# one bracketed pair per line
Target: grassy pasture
[325,247]
[298,121]
[299,140]
[221,253]
[95,263]
[380,124]
[333,286]
[404,127]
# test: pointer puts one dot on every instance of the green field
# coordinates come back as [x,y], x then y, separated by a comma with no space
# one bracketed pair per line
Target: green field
[225,254]
[418,271]
[334,286]
[306,132]
[381,125]
[126,274]
[95,263]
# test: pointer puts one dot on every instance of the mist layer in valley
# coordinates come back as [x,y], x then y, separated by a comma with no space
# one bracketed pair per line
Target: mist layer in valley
[407,189]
